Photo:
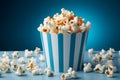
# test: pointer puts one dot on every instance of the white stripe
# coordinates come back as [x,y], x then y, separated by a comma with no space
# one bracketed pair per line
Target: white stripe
[83,50]
[46,48]
[77,50]
[54,39]
[66,52]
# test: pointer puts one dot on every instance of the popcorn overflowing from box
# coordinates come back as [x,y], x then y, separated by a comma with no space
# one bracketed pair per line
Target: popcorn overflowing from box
[64,35]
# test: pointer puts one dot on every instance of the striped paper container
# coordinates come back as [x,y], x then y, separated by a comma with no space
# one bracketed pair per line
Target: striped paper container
[64,50]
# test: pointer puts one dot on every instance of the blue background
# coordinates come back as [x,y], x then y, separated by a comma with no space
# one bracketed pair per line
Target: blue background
[19,20]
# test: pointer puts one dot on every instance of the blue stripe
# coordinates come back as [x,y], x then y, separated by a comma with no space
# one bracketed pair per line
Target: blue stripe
[50,51]
[41,36]
[60,52]
[72,48]
[81,50]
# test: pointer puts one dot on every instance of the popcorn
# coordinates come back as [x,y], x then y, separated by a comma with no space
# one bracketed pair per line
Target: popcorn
[109,55]
[111,50]
[118,60]
[0,72]
[99,68]
[36,71]
[109,73]
[15,54]
[6,60]
[13,64]
[21,60]
[31,66]
[48,72]
[37,50]
[87,67]
[91,51]
[63,76]
[74,74]
[66,22]
[119,52]
[6,54]
[112,68]
[5,67]
[42,57]
[97,58]
[71,74]
[28,53]
[20,71]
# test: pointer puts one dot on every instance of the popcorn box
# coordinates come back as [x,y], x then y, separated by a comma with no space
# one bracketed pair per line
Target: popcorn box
[64,50]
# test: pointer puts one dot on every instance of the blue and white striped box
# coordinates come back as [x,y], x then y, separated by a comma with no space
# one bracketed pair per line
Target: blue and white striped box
[64,50]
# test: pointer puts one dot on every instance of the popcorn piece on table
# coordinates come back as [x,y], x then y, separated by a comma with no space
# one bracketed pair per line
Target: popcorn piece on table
[31,66]
[102,53]
[5,67]
[91,51]
[14,64]
[37,71]
[15,54]
[87,67]
[49,72]
[6,60]
[118,60]
[97,58]
[119,52]
[111,50]
[42,57]
[99,68]
[28,53]
[109,73]
[37,50]
[20,71]
[109,55]
[6,54]
[70,74]
[108,63]
[21,60]
[112,68]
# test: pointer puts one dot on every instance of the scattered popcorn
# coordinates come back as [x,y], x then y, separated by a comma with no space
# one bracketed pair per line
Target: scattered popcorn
[99,68]
[108,63]
[5,67]
[87,67]
[14,64]
[74,74]
[119,52]
[37,50]
[91,51]
[36,71]
[15,54]
[20,71]
[48,72]
[0,72]
[6,54]
[28,53]
[112,50]
[6,60]
[42,57]
[70,70]
[102,53]
[31,66]
[63,76]
[66,22]
[97,58]
[112,68]
[109,73]
[21,60]
[109,55]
